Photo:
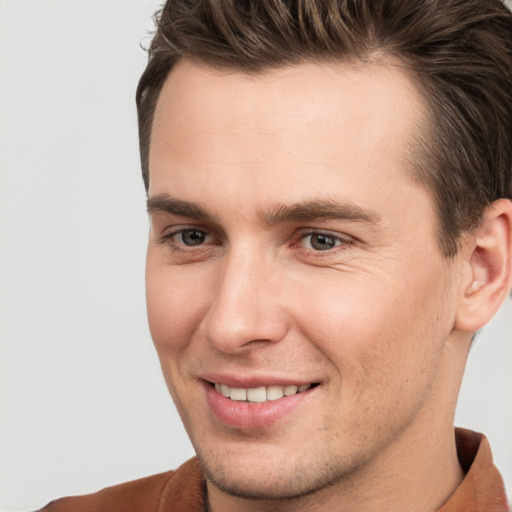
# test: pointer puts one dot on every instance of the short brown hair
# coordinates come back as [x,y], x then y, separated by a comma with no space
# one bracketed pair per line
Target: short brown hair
[459,51]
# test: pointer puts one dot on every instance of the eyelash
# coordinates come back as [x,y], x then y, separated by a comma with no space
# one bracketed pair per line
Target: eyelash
[168,238]
[340,243]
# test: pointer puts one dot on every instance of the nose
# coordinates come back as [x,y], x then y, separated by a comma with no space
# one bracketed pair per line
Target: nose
[246,311]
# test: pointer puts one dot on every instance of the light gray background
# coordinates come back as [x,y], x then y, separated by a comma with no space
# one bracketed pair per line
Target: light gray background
[82,401]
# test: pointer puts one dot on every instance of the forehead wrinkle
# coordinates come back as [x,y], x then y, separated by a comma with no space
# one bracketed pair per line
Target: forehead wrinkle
[318,209]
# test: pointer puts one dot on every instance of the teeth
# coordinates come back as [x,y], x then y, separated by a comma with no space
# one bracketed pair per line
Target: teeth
[290,390]
[275,392]
[225,390]
[257,395]
[238,394]
[261,394]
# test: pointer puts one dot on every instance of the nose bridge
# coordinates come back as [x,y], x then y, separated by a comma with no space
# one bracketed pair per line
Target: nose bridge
[245,308]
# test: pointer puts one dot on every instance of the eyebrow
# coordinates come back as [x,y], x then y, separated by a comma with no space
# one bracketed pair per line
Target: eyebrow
[320,209]
[167,204]
[323,209]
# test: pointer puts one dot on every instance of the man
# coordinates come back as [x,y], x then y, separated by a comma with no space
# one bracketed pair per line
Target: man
[329,188]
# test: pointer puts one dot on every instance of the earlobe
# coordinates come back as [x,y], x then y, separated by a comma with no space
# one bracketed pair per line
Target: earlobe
[489,258]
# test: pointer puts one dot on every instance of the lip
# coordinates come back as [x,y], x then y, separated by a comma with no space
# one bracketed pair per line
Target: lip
[247,415]
[235,381]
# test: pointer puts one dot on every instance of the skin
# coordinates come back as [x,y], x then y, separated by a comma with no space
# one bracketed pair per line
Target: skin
[372,320]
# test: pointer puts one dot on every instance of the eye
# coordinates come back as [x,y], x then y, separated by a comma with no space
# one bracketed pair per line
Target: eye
[320,241]
[191,237]
[189,244]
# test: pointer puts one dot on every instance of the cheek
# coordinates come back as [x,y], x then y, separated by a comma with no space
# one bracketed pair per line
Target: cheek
[174,305]
[379,333]
[384,351]
[174,310]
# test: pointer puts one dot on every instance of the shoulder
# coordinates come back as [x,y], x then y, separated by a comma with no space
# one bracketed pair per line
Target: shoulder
[182,490]
[139,495]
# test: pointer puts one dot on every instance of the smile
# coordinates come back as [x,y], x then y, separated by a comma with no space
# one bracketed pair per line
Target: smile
[260,394]
[257,406]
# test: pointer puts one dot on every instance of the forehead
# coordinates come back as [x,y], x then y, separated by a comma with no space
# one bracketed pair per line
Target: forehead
[299,127]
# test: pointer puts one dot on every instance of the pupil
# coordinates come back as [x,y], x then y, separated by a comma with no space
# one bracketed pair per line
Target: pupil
[192,237]
[322,242]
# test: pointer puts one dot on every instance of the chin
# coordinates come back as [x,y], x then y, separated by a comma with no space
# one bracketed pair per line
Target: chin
[270,478]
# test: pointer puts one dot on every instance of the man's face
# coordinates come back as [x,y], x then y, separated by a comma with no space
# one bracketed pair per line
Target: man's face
[290,247]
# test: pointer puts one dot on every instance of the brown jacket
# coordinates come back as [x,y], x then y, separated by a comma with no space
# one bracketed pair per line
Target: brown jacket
[183,490]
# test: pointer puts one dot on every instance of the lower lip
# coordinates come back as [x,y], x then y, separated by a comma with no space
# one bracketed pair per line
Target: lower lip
[248,415]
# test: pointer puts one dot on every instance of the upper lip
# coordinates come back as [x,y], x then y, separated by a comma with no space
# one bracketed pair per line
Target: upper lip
[255,381]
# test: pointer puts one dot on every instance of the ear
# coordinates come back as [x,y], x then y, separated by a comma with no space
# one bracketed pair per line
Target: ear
[488,256]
